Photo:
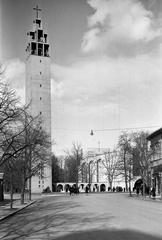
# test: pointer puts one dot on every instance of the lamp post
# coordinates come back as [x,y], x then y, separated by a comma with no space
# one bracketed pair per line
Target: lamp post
[78,160]
[83,171]
[98,169]
[130,176]
[90,175]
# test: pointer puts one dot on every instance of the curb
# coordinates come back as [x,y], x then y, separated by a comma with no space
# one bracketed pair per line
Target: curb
[18,210]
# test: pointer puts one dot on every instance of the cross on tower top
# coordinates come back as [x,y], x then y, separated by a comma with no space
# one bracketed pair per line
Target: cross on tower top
[37,9]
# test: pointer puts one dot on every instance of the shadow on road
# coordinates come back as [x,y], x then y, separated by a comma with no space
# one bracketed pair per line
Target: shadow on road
[53,220]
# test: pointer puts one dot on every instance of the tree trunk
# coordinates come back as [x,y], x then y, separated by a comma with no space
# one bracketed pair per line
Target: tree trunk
[125,174]
[11,195]
[110,185]
[143,188]
[130,186]
[30,176]
[30,189]
[126,183]
[22,191]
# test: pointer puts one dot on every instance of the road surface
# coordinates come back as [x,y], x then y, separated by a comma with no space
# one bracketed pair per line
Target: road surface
[107,216]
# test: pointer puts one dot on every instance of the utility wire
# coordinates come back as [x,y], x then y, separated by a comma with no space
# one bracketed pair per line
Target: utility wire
[108,129]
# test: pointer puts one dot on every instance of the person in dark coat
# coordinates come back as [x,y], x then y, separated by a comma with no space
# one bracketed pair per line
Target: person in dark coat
[86,190]
[153,192]
[137,190]
[71,190]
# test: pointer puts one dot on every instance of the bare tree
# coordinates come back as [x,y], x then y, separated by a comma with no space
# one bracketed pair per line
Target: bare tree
[134,154]
[37,154]
[111,164]
[11,177]
[142,156]
[29,145]
[11,145]
[125,159]
[58,173]
[10,114]
[73,162]
[22,138]
[8,102]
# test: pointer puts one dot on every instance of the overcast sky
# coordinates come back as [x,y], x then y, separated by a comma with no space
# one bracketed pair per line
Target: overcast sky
[106,65]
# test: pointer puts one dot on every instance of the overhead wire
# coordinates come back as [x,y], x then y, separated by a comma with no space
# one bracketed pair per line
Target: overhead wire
[108,129]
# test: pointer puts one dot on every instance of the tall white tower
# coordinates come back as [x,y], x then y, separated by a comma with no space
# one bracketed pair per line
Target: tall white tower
[38,88]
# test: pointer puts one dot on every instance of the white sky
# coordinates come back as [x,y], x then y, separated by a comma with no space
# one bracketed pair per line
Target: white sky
[106,65]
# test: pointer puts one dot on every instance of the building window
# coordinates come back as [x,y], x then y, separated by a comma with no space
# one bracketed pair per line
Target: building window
[40,98]
[40,113]
[40,85]
[39,186]
[40,61]
[40,73]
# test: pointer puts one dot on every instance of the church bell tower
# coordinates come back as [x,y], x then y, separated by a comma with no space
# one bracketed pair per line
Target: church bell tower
[38,89]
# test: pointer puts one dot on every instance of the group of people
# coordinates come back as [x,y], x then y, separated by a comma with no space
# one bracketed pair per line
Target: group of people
[74,190]
[147,190]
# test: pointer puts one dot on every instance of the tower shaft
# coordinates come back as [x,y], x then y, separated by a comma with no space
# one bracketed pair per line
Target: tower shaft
[38,90]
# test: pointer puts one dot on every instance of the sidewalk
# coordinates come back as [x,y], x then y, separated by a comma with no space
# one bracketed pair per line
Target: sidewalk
[6,211]
[146,197]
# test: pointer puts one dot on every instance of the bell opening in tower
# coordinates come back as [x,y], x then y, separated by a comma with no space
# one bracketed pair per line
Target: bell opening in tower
[37,23]
[40,35]
[33,48]
[40,49]
[46,50]
[45,38]
[32,35]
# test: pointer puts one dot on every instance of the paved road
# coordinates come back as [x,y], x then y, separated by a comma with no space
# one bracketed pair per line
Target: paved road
[111,216]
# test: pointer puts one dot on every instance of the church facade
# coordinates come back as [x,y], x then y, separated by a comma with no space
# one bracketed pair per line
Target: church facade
[38,89]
